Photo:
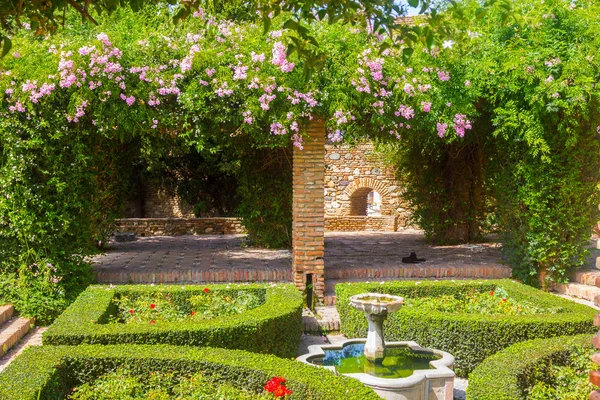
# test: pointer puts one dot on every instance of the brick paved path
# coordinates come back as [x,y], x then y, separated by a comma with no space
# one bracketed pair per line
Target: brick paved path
[348,256]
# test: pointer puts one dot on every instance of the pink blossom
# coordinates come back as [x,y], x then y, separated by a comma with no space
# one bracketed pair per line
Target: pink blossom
[409,89]
[441,129]
[186,63]
[257,58]
[549,79]
[426,106]
[224,90]
[467,83]
[297,139]
[240,72]
[336,136]
[279,58]
[278,129]
[103,37]
[405,111]
[265,99]
[376,67]
[248,119]
[16,55]
[210,71]
[443,75]
[85,50]
[461,123]
[17,107]
[67,81]
[129,100]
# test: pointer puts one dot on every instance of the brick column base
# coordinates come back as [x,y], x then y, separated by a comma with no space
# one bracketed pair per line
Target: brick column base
[308,240]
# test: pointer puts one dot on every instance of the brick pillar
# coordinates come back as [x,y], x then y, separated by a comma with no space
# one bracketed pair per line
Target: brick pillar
[308,226]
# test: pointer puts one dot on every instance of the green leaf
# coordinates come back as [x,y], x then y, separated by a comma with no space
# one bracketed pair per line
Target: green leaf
[430,40]
[6,46]
[290,24]
[480,12]
[406,53]
[266,24]
[413,3]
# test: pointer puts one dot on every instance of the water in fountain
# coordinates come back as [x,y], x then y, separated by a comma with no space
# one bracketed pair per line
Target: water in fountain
[399,362]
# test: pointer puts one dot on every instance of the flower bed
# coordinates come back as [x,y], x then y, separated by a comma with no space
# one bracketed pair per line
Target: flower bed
[52,372]
[469,336]
[163,314]
[555,368]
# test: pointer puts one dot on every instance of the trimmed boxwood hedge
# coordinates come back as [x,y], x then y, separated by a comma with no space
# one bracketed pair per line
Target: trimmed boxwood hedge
[509,373]
[275,327]
[51,372]
[470,338]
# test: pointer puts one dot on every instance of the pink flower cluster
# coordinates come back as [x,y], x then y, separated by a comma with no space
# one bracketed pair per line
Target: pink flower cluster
[461,123]
[405,111]
[279,58]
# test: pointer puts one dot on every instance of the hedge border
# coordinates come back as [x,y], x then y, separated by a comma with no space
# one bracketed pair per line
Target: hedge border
[275,327]
[52,371]
[470,338]
[509,373]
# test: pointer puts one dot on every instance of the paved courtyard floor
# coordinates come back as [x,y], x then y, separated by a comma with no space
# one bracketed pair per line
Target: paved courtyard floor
[348,256]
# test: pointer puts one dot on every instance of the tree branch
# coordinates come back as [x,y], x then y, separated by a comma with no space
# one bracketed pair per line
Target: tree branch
[82,11]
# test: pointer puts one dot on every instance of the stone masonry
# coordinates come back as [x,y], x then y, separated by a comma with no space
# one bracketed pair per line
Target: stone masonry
[308,240]
[354,171]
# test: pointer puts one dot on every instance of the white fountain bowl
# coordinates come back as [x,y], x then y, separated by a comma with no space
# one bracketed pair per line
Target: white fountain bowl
[424,384]
[376,303]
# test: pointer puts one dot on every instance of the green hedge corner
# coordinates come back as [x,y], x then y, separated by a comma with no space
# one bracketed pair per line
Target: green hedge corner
[51,372]
[275,327]
[470,338]
[509,373]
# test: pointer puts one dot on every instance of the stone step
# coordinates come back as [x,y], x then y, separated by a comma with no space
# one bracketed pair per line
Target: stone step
[419,271]
[590,277]
[324,319]
[6,313]
[12,331]
[582,291]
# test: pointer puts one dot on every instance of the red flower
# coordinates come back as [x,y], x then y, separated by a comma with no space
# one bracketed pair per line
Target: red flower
[206,290]
[193,313]
[503,299]
[153,306]
[492,293]
[281,391]
[152,322]
[275,386]
[131,312]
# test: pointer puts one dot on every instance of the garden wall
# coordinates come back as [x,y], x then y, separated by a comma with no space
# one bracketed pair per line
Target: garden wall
[180,226]
[351,172]
[362,223]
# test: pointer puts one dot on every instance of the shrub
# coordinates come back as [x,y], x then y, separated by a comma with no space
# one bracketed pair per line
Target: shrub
[274,327]
[469,337]
[511,373]
[50,372]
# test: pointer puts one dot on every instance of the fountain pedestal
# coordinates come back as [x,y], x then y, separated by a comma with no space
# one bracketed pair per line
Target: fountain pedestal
[375,345]
[376,307]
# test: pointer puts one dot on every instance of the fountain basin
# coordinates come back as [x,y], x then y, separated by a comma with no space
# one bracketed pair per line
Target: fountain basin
[393,378]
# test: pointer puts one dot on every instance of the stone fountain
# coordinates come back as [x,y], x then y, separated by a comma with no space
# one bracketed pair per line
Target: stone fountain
[376,307]
[395,370]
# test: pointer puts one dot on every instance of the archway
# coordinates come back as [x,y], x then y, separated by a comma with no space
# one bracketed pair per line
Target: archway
[365,202]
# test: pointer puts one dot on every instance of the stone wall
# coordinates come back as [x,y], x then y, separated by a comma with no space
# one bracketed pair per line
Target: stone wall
[160,203]
[362,223]
[351,172]
[180,226]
